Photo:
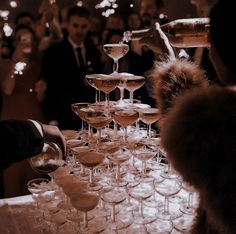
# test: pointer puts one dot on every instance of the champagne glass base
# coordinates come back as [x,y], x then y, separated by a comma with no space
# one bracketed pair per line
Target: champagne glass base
[183,223]
[122,221]
[159,227]
[143,220]
[171,215]
[186,209]
[118,183]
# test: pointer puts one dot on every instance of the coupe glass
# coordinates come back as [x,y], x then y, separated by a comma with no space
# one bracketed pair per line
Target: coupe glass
[114,198]
[121,86]
[149,116]
[133,83]
[143,155]
[76,108]
[90,79]
[48,160]
[125,118]
[118,159]
[85,202]
[167,188]
[98,119]
[37,187]
[116,51]
[91,160]
[140,193]
[106,83]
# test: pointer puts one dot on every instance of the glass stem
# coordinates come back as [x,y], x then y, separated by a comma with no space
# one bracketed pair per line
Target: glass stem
[85,219]
[125,135]
[113,214]
[107,100]
[118,172]
[190,200]
[115,66]
[144,167]
[115,128]
[131,97]
[141,209]
[91,176]
[121,93]
[149,130]
[166,205]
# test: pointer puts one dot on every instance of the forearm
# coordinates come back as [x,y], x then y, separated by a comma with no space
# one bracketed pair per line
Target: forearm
[19,140]
[8,83]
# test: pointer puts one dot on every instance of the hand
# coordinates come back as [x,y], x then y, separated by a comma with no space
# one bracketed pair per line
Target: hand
[159,43]
[52,133]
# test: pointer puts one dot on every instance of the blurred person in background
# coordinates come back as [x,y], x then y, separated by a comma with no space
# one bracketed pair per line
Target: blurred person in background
[22,92]
[64,67]
[152,11]
[48,27]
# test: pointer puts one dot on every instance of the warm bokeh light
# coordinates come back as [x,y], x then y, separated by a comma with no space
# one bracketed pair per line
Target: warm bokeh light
[13,4]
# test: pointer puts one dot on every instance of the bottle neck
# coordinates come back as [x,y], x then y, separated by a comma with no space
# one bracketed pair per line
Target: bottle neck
[136,34]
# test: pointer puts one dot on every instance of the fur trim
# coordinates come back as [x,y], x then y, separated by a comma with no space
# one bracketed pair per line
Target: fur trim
[171,79]
[200,141]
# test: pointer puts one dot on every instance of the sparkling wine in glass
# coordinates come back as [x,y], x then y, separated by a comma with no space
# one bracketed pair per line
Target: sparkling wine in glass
[48,160]
[133,83]
[85,202]
[126,118]
[98,119]
[91,160]
[121,86]
[116,51]
[149,116]
[77,108]
[90,79]
[106,83]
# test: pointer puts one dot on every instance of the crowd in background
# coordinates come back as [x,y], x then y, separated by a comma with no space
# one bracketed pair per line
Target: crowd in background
[57,49]
[42,72]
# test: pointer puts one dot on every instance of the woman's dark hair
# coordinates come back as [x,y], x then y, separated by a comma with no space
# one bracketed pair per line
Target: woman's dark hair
[24,14]
[112,32]
[78,11]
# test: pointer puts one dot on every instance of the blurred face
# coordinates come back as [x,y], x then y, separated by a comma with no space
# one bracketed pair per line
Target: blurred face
[77,28]
[25,38]
[114,22]
[148,7]
[134,22]
[116,38]
[203,7]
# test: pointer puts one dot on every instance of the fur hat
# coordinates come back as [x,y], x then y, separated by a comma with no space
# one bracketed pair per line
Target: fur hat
[170,79]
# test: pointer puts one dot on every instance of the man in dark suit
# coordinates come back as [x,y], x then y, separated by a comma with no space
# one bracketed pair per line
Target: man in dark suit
[64,70]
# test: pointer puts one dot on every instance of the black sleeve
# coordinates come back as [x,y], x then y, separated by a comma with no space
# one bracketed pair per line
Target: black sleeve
[19,139]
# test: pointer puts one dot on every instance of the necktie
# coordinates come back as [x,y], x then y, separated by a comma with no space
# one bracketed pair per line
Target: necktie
[80,59]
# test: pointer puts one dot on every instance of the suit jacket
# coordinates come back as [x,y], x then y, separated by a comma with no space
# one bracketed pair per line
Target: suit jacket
[19,139]
[66,82]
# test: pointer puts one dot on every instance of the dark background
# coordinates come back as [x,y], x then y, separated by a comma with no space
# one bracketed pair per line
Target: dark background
[173,8]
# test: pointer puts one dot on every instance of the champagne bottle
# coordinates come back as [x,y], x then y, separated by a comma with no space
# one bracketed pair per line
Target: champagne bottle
[182,33]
